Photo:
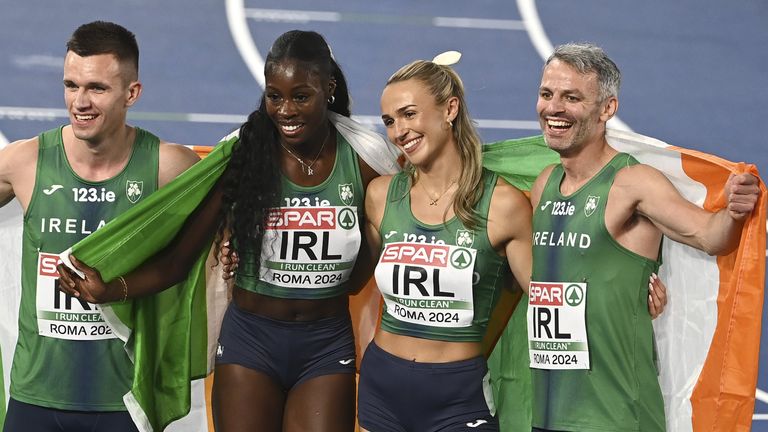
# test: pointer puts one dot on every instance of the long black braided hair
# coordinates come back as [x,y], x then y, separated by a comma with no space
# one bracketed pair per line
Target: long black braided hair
[252,179]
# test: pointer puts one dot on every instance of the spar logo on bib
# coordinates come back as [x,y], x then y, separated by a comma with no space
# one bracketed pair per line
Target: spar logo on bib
[310,218]
[461,258]
[574,295]
[431,255]
[347,218]
[416,254]
[298,218]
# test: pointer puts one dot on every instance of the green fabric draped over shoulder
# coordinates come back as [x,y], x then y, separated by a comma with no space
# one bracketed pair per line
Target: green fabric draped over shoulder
[165,334]
[519,161]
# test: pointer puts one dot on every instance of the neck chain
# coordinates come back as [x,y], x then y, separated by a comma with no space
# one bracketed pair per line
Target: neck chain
[306,168]
[433,201]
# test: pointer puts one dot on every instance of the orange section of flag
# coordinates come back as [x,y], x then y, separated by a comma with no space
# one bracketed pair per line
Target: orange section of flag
[724,396]
[201,151]
[208,407]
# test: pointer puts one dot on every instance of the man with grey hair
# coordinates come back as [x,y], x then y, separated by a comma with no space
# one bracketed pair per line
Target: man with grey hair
[599,218]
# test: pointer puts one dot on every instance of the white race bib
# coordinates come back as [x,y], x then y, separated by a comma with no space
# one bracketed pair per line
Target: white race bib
[428,284]
[62,316]
[309,247]
[557,331]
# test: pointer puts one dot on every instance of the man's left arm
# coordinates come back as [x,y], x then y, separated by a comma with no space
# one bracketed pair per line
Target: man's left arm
[716,233]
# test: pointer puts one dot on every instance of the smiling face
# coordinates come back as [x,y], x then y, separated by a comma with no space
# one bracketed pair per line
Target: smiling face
[571,114]
[414,122]
[296,98]
[98,91]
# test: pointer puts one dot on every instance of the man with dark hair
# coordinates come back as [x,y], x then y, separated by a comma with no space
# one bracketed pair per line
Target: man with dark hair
[599,217]
[70,371]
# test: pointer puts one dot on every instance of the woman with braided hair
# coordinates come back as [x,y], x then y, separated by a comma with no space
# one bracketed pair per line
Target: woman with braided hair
[291,203]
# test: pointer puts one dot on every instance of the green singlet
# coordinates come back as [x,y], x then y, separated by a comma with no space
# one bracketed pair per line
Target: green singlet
[590,335]
[66,356]
[440,281]
[311,241]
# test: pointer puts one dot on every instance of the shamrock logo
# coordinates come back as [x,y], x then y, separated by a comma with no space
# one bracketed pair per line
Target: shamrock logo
[133,190]
[346,194]
[465,238]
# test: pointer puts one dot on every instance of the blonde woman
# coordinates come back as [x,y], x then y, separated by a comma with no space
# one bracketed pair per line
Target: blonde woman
[447,233]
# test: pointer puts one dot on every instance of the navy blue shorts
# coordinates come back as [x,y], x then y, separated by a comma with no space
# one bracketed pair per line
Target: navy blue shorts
[288,351]
[24,417]
[398,395]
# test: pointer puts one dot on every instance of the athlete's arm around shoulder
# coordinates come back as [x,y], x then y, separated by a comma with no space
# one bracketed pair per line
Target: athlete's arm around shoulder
[18,166]
[656,198]
[174,159]
[509,229]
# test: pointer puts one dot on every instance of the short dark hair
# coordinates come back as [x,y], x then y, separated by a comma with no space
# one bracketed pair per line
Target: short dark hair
[103,37]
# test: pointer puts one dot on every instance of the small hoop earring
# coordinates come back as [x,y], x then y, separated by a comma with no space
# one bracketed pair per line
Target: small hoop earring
[331,100]
[450,124]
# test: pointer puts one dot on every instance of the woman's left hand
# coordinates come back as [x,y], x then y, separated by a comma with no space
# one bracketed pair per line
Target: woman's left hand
[657,296]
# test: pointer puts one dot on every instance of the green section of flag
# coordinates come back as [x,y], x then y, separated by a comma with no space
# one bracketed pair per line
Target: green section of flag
[519,161]
[166,332]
